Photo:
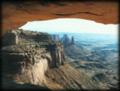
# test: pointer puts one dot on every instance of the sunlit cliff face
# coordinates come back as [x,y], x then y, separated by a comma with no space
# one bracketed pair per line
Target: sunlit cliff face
[71,25]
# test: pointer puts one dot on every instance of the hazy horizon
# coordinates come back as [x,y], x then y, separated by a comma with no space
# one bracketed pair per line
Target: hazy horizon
[71,25]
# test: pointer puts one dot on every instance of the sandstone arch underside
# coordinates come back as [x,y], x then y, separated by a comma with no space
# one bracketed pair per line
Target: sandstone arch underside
[15,14]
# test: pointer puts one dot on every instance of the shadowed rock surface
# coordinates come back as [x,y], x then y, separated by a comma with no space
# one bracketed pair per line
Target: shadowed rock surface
[105,11]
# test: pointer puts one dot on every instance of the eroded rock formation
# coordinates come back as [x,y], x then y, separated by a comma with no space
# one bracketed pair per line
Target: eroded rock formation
[57,54]
[55,37]
[17,13]
[27,60]
[67,41]
[37,62]
[10,38]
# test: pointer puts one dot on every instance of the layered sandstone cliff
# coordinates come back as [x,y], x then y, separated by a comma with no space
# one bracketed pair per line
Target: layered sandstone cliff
[33,60]
[28,55]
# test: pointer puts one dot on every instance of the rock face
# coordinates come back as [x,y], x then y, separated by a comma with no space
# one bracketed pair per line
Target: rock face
[72,40]
[57,54]
[37,62]
[27,61]
[67,41]
[11,38]
[26,10]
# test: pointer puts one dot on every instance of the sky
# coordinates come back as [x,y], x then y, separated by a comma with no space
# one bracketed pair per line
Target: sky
[71,25]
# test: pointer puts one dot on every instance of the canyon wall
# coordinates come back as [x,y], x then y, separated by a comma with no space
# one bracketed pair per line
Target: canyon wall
[27,60]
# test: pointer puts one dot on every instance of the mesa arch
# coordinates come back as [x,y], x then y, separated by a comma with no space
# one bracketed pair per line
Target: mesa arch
[15,15]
